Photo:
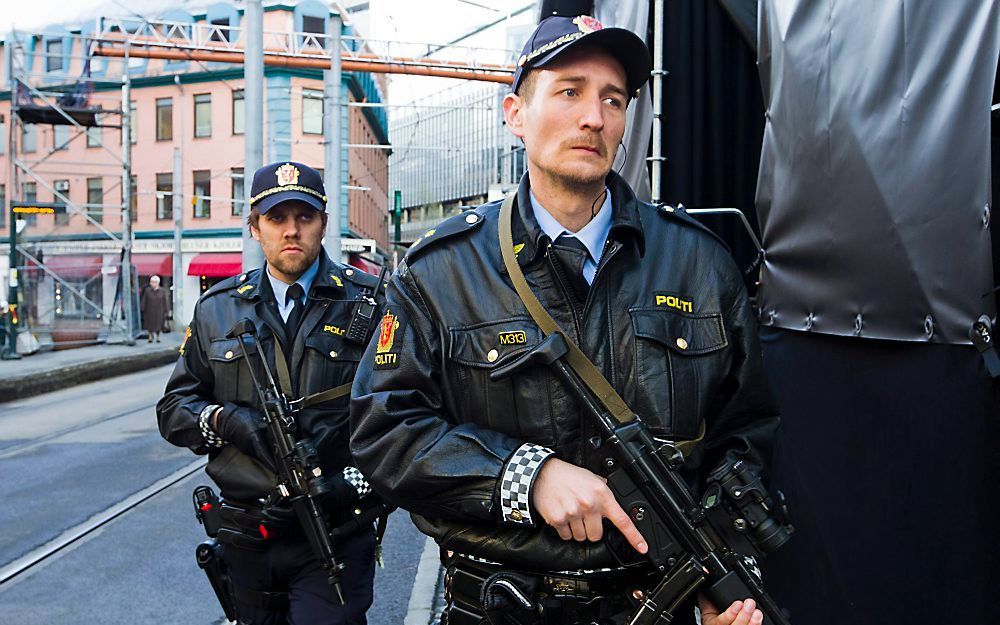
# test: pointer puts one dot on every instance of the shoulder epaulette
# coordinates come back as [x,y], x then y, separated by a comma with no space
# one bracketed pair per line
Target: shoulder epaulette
[457,224]
[678,213]
[224,285]
[360,277]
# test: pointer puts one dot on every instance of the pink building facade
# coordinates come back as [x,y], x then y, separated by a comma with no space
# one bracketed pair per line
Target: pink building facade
[190,110]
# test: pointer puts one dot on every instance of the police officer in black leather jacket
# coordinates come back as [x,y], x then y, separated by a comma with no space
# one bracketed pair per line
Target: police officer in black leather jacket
[304,301]
[500,472]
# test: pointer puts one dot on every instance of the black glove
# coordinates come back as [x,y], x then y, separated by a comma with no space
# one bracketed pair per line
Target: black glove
[247,430]
[347,487]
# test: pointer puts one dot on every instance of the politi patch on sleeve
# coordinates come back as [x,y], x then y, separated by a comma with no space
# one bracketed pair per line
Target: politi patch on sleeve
[385,358]
[187,335]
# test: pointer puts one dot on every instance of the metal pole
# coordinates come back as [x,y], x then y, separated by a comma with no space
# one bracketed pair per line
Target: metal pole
[397,213]
[178,210]
[10,348]
[332,150]
[253,101]
[657,157]
[126,273]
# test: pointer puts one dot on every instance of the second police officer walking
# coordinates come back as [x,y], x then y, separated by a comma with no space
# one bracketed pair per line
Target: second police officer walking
[499,472]
[300,301]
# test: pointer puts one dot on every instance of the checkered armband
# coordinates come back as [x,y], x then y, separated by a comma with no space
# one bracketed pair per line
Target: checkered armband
[515,483]
[357,481]
[205,423]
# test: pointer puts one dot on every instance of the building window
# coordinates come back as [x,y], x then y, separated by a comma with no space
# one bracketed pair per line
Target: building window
[317,26]
[95,199]
[236,173]
[133,199]
[202,194]
[164,119]
[203,115]
[53,55]
[62,186]
[93,137]
[3,206]
[239,112]
[29,138]
[29,190]
[164,195]
[3,135]
[220,34]
[60,137]
[312,112]
[70,305]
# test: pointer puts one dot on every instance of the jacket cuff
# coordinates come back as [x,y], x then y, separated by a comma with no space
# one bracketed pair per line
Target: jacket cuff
[205,425]
[357,481]
[517,480]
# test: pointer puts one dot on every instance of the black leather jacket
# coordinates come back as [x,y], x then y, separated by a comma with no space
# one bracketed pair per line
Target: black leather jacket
[667,321]
[212,370]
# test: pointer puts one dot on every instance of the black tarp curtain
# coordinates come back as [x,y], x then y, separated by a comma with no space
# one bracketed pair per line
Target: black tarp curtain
[713,111]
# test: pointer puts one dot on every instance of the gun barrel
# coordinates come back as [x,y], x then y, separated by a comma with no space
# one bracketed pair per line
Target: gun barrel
[636,452]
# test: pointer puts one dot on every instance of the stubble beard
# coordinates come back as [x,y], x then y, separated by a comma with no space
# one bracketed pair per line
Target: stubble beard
[292,266]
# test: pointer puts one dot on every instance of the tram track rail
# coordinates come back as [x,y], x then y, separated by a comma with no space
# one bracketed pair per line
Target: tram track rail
[41,554]
[74,534]
[37,441]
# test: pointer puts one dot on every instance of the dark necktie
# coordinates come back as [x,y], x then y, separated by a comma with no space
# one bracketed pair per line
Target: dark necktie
[293,296]
[572,255]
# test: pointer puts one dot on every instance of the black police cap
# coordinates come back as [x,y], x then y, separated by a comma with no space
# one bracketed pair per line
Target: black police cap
[555,35]
[286,180]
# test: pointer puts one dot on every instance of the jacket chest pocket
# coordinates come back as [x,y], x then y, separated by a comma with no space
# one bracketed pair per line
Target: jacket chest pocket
[516,406]
[330,360]
[680,361]
[229,367]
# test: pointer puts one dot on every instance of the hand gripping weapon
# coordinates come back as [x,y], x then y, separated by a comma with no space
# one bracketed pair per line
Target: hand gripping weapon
[301,480]
[684,542]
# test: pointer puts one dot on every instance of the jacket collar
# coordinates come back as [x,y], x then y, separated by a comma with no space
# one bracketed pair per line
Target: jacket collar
[625,222]
[328,283]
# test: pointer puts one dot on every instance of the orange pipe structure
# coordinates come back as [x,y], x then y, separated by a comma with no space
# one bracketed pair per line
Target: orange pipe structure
[438,69]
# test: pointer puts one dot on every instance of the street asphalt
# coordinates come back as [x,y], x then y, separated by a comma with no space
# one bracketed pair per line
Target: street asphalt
[68,456]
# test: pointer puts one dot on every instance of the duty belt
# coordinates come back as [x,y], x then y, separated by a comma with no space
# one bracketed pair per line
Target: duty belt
[561,598]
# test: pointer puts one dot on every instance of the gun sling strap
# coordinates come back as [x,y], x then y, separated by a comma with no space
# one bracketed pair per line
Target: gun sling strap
[285,381]
[589,374]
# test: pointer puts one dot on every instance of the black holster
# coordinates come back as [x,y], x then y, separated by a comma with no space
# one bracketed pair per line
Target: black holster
[209,557]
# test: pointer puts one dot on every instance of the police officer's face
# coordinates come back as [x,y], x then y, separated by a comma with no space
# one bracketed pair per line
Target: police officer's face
[573,119]
[291,235]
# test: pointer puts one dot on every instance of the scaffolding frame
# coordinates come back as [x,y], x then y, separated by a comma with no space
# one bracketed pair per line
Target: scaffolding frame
[181,41]
[21,171]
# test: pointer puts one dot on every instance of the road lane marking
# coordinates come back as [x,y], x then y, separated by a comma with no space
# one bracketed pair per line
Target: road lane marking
[73,534]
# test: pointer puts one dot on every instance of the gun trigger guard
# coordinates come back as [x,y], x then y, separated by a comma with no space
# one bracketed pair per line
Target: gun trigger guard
[295,405]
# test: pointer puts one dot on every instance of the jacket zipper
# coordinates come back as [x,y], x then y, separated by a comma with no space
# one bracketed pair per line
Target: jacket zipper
[605,258]
[570,298]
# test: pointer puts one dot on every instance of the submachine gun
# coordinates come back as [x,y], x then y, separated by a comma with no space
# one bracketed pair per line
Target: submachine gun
[301,480]
[697,545]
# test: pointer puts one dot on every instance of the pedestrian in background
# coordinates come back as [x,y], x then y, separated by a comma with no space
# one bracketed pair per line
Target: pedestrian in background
[154,304]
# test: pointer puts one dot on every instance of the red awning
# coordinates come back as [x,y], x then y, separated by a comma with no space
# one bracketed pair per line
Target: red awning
[216,264]
[153,264]
[87,266]
[364,264]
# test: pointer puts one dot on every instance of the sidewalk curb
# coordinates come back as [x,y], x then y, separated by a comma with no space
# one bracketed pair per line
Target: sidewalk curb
[31,384]
[420,610]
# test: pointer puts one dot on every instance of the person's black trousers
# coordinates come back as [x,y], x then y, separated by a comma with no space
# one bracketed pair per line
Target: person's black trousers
[288,565]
